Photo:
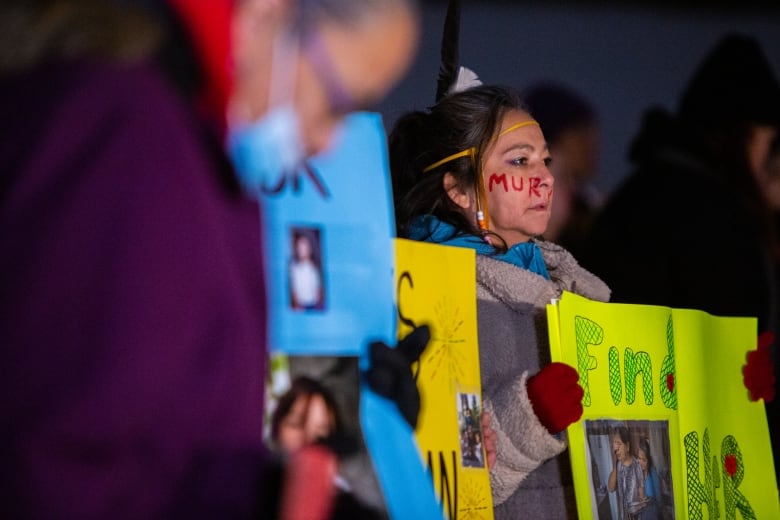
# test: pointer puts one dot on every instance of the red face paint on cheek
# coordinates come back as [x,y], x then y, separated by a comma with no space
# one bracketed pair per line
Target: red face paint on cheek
[533,187]
[497,179]
[515,183]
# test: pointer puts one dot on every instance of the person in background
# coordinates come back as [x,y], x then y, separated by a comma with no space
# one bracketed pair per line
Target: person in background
[652,510]
[626,476]
[472,171]
[305,414]
[572,130]
[308,414]
[132,314]
[694,224]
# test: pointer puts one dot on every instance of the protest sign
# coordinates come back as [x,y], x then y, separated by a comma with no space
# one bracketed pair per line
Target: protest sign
[436,287]
[668,380]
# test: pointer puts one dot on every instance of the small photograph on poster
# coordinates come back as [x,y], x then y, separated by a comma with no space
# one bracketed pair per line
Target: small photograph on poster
[312,399]
[470,428]
[305,272]
[630,469]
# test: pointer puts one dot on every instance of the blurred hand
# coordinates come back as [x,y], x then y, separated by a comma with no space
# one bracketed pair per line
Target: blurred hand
[489,440]
[309,491]
[556,396]
[758,374]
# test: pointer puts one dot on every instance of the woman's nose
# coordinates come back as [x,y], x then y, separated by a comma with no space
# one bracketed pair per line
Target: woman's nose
[547,179]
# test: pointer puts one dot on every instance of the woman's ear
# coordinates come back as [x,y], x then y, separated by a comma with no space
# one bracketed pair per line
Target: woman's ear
[455,191]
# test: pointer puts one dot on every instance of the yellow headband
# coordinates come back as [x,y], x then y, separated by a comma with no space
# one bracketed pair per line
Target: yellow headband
[518,125]
[472,152]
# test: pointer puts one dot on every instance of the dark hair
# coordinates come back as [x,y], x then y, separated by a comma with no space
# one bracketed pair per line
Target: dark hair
[644,445]
[421,138]
[37,31]
[306,387]
[734,83]
[625,436]
[733,90]
[310,236]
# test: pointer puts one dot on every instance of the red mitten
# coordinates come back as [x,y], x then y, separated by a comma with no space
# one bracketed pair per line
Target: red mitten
[759,374]
[556,396]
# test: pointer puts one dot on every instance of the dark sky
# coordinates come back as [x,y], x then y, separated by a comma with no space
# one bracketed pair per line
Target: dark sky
[624,56]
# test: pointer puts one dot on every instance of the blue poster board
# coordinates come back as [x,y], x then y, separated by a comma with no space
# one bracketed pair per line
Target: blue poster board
[329,265]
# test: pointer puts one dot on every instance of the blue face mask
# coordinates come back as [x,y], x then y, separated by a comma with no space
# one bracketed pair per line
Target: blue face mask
[267,150]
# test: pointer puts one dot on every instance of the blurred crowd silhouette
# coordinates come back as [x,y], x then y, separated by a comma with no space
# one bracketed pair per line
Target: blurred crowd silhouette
[695,224]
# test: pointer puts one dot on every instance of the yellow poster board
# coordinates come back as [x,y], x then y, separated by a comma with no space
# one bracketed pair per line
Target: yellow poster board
[436,286]
[669,381]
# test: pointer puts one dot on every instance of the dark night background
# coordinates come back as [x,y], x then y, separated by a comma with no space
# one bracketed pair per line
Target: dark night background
[623,56]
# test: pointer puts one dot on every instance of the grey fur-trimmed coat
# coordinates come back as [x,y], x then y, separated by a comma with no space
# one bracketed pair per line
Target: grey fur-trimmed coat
[532,476]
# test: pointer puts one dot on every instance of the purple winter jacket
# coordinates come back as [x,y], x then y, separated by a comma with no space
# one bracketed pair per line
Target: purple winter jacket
[132,311]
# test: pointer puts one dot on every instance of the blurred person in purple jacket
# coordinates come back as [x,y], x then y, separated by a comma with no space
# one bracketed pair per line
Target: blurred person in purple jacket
[132,312]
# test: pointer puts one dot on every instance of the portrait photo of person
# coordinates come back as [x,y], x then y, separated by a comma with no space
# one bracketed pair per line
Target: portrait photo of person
[469,414]
[305,274]
[630,469]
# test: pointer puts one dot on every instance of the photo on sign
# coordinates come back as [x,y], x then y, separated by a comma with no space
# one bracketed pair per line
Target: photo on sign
[630,469]
[305,270]
[314,399]
[470,428]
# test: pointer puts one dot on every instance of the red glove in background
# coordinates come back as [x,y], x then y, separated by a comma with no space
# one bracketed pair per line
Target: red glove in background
[759,374]
[556,396]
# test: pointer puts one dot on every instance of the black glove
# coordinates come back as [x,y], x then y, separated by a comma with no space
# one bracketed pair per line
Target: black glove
[390,372]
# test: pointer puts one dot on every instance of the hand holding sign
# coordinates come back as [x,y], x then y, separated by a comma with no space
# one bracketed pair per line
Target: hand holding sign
[490,439]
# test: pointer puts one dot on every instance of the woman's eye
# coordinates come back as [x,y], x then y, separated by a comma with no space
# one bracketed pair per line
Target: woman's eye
[548,161]
[519,161]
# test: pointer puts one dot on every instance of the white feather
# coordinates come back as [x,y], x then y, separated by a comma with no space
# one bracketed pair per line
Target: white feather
[467,78]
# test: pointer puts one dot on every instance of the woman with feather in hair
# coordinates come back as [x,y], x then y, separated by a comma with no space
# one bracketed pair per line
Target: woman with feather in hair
[472,171]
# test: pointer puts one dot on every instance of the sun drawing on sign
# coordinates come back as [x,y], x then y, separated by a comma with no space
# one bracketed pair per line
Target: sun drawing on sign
[474,504]
[443,355]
